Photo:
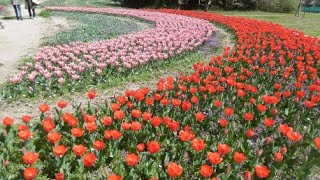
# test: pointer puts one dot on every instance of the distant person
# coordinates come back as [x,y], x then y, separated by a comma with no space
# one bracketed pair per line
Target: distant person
[1,25]
[17,8]
[30,5]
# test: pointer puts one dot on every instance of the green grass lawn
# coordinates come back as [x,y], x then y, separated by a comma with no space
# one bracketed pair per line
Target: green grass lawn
[97,3]
[310,24]
[94,27]
[4,2]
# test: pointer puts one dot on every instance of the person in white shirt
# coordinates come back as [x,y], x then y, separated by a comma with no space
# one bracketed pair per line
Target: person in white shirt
[17,8]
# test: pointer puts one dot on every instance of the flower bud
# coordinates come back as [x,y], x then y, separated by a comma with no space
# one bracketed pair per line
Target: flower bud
[6,163]
[278,157]
[283,150]
[247,175]
[226,131]
[274,112]
[268,140]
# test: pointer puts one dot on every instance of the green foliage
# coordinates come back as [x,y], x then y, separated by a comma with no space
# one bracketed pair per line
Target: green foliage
[44,14]
[93,27]
[102,3]
[98,3]
[4,2]
[65,3]
[277,5]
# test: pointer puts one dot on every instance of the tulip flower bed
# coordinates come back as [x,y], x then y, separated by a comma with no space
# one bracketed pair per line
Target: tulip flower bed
[252,112]
[77,64]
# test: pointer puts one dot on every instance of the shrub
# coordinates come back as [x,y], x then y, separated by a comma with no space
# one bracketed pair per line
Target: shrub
[277,5]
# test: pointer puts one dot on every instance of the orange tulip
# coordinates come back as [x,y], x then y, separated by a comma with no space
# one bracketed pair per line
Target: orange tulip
[132,159]
[294,136]
[7,121]
[317,142]
[156,121]
[200,116]
[250,133]
[79,150]
[214,158]
[206,171]
[140,147]
[30,158]
[121,99]
[268,122]
[198,144]
[223,122]
[91,127]
[114,177]
[223,149]
[59,176]
[174,170]
[278,157]
[30,173]
[59,150]
[91,94]
[262,171]
[99,145]
[248,116]
[26,118]
[186,105]
[239,157]
[146,116]
[153,147]
[119,115]
[48,124]
[53,137]
[25,134]
[125,126]
[89,159]
[44,108]
[136,126]
[77,132]
[107,121]
[62,104]
[228,111]
[135,113]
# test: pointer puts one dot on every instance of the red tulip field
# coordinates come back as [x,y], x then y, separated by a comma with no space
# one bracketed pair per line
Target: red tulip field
[252,112]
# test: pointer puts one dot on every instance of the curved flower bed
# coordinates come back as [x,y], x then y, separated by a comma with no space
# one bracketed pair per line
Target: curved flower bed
[70,63]
[250,113]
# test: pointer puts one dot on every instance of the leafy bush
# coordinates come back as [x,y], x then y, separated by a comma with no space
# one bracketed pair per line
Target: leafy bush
[277,5]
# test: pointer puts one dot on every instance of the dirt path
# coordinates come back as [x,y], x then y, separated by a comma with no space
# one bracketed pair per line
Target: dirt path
[22,38]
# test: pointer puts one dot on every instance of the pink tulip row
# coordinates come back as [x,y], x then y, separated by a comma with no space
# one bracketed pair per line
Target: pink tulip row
[171,35]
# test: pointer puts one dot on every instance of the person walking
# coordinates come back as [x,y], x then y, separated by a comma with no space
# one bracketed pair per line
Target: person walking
[17,8]
[30,5]
[1,25]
